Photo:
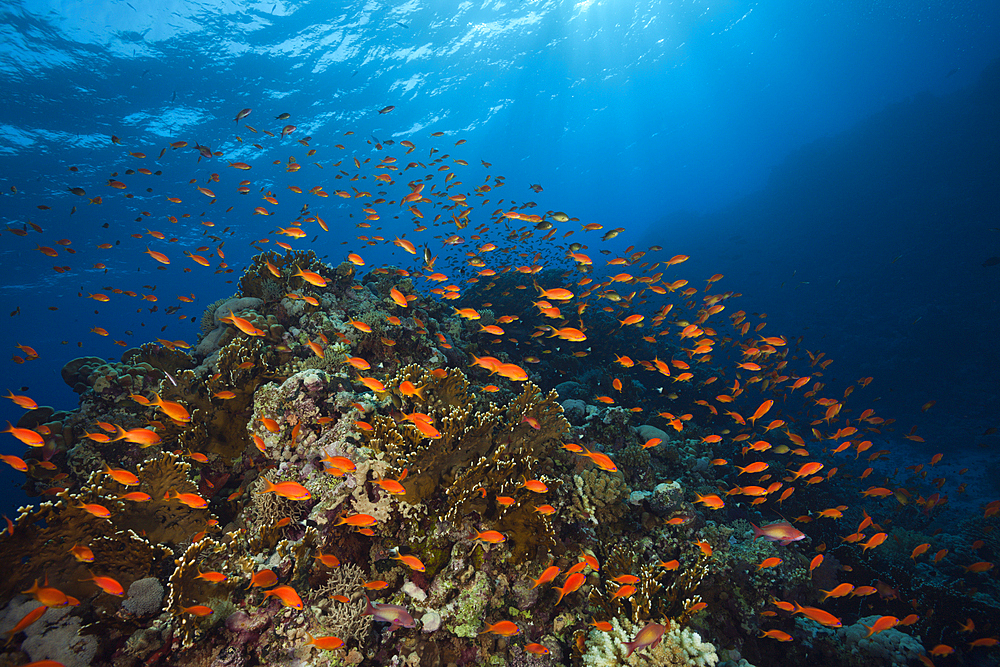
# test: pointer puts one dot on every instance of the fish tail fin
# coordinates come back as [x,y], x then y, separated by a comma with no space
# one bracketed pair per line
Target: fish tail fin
[33,589]
[369,609]
[268,486]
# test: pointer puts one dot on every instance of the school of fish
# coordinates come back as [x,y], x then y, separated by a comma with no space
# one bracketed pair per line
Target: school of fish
[562,299]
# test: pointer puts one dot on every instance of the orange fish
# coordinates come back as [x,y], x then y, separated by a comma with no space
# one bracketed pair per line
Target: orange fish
[328,642]
[761,411]
[25,435]
[242,324]
[212,577]
[121,476]
[359,520]
[50,597]
[15,462]
[815,562]
[359,363]
[759,466]
[548,575]
[99,511]
[328,560]
[873,541]
[884,623]
[490,536]
[572,583]
[979,567]
[197,610]
[773,561]
[310,277]
[624,592]
[107,584]
[601,460]
[290,490]
[713,501]
[27,620]
[984,641]
[410,561]
[818,615]
[192,500]
[502,628]
[158,256]
[287,595]
[534,485]
[838,592]
[372,384]
[22,401]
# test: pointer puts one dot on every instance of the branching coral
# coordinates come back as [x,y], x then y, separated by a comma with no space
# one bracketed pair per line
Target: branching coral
[342,619]
[660,594]
[187,588]
[679,647]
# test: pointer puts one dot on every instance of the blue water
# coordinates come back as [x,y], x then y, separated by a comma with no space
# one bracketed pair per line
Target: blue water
[836,161]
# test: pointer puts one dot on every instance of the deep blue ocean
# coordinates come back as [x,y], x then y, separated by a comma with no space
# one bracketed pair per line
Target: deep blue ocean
[838,162]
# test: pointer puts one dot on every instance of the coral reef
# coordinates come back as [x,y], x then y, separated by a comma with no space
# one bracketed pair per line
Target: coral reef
[348,471]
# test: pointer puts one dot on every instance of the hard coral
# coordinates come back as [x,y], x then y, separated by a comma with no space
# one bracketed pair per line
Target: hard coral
[39,549]
[679,647]
[163,519]
[484,451]
[257,277]
[342,619]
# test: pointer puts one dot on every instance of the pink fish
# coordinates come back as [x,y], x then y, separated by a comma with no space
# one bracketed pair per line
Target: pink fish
[648,636]
[781,532]
[390,613]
